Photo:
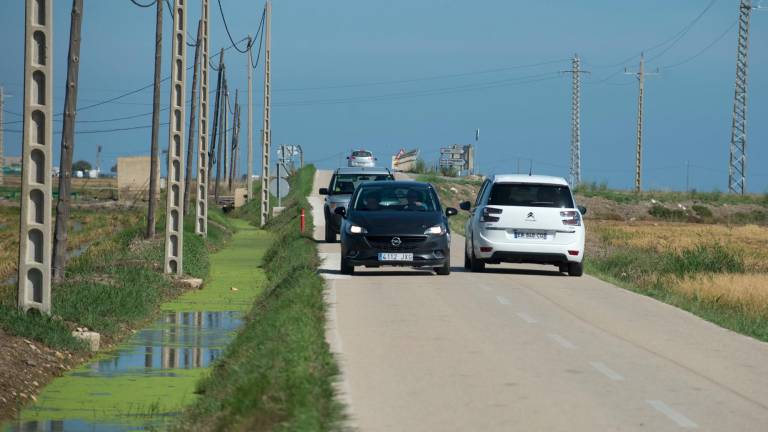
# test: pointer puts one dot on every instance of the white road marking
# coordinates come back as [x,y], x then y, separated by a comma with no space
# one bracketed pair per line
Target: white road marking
[605,370]
[527,318]
[681,420]
[565,343]
[503,300]
[330,265]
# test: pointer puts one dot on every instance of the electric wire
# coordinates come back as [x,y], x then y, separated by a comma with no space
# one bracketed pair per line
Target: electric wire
[226,27]
[144,5]
[260,36]
[705,49]
[683,32]
[676,37]
[428,78]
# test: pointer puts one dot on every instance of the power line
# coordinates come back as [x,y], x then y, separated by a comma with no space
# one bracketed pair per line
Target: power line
[144,5]
[431,92]
[226,27]
[681,34]
[260,33]
[706,48]
[428,78]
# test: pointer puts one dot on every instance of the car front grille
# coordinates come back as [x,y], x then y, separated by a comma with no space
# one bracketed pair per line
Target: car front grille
[409,242]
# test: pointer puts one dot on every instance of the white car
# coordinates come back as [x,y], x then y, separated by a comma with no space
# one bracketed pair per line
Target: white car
[361,159]
[525,219]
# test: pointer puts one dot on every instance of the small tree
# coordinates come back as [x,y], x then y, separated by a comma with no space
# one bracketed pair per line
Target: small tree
[81,165]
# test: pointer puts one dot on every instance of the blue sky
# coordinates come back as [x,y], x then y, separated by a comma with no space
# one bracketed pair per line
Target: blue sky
[427,73]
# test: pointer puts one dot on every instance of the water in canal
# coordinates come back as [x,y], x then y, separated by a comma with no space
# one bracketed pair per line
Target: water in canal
[149,378]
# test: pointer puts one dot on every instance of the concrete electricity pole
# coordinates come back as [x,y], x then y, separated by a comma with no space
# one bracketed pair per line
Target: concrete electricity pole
[216,125]
[225,121]
[737,162]
[640,74]
[192,138]
[266,128]
[575,174]
[174,220]
[235,141]
[201,209]
[67,144]
[154,164]
[249,181]
[35,224]
[2,159]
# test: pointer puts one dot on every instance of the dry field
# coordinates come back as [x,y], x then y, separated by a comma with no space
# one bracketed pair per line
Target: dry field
[85,227]
[742,284]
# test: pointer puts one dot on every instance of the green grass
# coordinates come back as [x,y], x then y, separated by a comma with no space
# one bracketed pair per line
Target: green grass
[278,373]
[117,284]
[630,197]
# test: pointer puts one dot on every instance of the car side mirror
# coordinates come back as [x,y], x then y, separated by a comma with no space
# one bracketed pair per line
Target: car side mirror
[323,191]
[583,210]
[450,211]
[466,205]
[341,211]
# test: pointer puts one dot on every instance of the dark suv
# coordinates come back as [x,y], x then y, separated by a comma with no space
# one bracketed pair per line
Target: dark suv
[337,194]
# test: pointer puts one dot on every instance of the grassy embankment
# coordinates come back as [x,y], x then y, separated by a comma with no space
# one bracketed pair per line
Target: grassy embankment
[453,191]
[717,272]
[278,373]
[115,285]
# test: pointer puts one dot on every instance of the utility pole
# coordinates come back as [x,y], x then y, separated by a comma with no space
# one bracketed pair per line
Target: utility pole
[191,138]
[223,121]
[214,131]
[201,209]
[174,220]
[640,74]
[575,174]
[687,175]
[737,162]
[154,164]
[67,144]
[35,224]
[235,138]
[266,128]
[475,170]
[249,181]
[2,159]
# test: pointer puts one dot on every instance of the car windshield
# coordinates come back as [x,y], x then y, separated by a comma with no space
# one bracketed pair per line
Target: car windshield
[530,195]
[361,153]
[345,184]
[375,197]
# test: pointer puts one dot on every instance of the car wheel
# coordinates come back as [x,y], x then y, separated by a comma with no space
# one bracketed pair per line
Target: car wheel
[475,264]
[330,233]
[445,269]
[346,267]
[467,263]
[575,269]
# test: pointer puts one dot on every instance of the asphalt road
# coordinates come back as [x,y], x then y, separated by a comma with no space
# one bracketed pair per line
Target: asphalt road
[526,348]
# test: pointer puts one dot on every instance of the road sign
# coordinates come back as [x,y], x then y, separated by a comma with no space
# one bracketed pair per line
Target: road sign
[279,189]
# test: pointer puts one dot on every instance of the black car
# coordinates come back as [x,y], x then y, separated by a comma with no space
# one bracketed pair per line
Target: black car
[395,223]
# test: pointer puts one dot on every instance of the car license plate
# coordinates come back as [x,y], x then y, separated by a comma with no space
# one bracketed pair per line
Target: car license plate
[530,235]
[395,257]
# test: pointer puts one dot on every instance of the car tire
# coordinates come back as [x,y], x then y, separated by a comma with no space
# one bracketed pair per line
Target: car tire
[563,268]
[575,269]
[445,269]
[476,265]
[330,233]
[467,263]
[346,267]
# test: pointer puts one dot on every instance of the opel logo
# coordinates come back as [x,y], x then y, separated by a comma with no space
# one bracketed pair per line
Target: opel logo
[396,241]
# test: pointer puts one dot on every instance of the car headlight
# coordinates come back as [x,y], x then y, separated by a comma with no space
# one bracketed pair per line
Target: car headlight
[357,229]
[436,230]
